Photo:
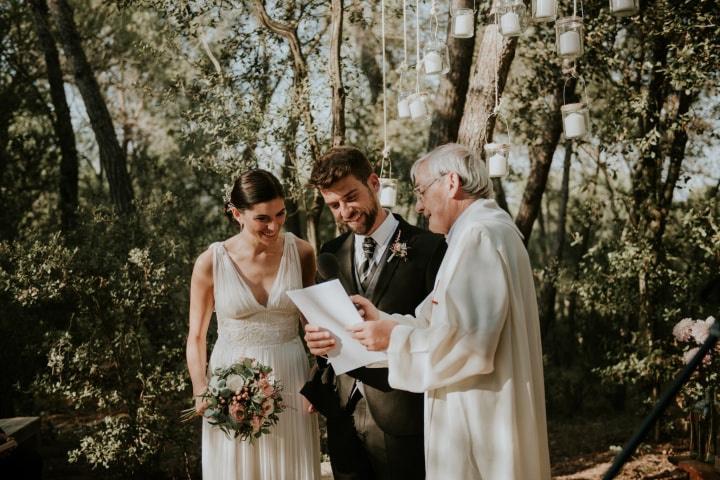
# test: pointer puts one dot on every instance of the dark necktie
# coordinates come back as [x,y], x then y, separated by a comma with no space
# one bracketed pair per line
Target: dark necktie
[367,266]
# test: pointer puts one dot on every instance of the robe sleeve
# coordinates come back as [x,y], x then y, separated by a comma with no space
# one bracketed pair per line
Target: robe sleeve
[463,331]
[420,319]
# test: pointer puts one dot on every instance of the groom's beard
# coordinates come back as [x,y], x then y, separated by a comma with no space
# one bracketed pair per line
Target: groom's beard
[368,220]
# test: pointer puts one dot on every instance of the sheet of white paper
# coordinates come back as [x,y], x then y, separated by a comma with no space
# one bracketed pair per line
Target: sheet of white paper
[328,305]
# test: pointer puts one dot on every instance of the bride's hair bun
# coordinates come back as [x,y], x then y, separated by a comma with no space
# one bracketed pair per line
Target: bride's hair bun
[253,187]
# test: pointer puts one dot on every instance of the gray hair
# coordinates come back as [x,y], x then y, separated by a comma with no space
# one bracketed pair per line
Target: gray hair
[453,157]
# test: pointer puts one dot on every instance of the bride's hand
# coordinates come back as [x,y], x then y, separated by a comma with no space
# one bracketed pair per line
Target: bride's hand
[200,406]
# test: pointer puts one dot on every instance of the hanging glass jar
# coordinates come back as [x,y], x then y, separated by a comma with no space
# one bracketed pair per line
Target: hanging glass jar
[403,105]
[436,58]
[388,192]
[576,120]
[511,17]
[418,103]
[463,22]
[496,159]
[624,8]
[544,10]
[569,37]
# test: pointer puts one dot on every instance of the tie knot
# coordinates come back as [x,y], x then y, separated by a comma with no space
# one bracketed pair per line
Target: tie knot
[368,247]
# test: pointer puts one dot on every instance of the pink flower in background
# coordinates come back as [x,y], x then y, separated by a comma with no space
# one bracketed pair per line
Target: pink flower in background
[683,329]
[701,330]
[687,356]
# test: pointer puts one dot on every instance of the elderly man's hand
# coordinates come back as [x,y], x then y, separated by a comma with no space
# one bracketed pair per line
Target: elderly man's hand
[374,335]
[365,308]
[319,340]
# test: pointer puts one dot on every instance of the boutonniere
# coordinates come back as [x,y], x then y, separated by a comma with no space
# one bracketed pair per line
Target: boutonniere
[399,249]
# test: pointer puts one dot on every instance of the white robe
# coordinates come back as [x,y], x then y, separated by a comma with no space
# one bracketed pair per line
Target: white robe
[474,348]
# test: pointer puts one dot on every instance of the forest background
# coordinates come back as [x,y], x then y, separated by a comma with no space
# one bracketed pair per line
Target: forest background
[123,122]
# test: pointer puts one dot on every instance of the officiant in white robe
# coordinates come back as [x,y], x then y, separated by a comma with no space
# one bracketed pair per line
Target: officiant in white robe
[473,346]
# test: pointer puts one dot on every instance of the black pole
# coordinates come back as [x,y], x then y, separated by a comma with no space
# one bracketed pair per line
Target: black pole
[664,401]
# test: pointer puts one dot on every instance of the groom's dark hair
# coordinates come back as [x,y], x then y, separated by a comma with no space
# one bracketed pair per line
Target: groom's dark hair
[337,163]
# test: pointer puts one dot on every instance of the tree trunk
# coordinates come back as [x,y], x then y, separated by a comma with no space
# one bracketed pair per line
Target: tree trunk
[450,98]
[69,166]
[338,92]
[549,288]
[541,156]
[477,124]
[111,156]
[300,89]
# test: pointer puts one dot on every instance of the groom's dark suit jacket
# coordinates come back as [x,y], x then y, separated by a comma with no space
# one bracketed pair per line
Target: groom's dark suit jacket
[402,284]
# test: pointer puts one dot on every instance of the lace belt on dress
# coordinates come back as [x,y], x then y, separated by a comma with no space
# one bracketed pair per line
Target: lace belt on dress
[264,330]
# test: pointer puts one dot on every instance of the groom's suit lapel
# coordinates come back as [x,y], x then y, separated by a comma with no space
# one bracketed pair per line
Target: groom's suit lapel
[344,256]
[389,265]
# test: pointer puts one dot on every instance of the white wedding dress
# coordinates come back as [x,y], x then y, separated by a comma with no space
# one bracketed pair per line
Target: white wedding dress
[269,334]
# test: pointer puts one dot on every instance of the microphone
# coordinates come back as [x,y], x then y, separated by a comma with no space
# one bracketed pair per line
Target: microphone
[328,267]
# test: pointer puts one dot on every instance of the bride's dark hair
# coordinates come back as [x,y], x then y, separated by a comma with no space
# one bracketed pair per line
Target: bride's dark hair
[253,187]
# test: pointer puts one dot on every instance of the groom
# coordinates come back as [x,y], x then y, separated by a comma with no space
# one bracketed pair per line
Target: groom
[376,432]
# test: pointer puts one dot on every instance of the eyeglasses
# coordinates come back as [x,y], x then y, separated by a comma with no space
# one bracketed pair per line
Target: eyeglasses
[419,191]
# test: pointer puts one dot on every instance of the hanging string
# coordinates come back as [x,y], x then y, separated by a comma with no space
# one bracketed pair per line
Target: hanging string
[417,46]
[405,50]
[434,14]
[385,142]
[497,65]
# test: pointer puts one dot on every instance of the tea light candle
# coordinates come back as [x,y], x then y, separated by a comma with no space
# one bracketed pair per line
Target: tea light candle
[403,107]
[510,24]
[497,165]
[570,43]
[545,8]
[626,7]
[433,62]
[574,125]
[463,24]
[417,107]
[388,196]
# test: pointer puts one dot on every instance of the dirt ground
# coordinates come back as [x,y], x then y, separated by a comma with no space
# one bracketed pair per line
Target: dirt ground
[580,449]
[583,449]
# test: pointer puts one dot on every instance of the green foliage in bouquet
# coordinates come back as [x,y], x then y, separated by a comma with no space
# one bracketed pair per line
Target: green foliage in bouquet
[244,400]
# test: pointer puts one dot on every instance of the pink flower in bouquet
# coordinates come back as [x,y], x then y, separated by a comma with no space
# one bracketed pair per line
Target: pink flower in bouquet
[268,407]
[266,387]
[701,330]
[683,329]
[256,423]
[237,411]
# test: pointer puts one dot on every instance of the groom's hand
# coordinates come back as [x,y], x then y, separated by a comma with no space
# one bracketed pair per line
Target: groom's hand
[319,340]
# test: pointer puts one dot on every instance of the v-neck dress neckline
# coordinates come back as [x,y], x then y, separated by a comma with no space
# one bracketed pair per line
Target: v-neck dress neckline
[243,283]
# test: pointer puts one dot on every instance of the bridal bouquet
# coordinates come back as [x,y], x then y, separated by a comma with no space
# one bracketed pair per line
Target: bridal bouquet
[243,400]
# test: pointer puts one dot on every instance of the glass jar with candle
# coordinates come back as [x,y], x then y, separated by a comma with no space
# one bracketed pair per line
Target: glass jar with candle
[388,192]
[436,58]
[418,103]
[624,8]
[511,17]
[496,159]
[576,120]
[403,105]
[569,37]
[544,10]
[463,22]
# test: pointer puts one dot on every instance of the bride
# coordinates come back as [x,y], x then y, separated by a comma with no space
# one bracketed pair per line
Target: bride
[244,279]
